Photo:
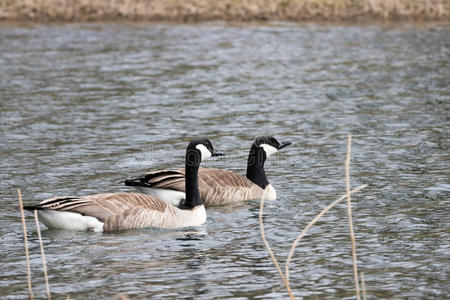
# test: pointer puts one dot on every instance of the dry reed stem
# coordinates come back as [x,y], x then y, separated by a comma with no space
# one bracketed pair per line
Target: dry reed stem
[349,213]
[269,250]
[363,286]
[310,224]
[44,263]
[27,257]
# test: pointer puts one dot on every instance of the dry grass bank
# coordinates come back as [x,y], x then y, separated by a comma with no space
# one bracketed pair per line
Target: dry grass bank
[228,10]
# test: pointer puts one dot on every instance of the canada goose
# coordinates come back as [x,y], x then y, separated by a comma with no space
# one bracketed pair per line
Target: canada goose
[108,212]
[217,187]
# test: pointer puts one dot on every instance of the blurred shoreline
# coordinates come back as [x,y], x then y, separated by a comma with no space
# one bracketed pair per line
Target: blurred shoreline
[228,10]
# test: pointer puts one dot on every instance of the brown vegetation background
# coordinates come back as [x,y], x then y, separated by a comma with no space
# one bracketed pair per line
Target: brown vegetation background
[227,10]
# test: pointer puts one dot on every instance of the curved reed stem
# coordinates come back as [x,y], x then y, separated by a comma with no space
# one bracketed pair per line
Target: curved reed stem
[269,250]
[310,224]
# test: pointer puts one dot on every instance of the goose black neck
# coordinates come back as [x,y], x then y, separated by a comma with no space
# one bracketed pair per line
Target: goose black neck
[255,166]
[193,158]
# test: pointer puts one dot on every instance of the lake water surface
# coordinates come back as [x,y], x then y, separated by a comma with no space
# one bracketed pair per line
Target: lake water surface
[84,106]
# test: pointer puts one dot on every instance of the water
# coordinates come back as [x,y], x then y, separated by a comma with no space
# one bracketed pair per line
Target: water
[84,106]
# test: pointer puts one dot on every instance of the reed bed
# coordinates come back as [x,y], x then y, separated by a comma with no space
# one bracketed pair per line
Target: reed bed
[227,10]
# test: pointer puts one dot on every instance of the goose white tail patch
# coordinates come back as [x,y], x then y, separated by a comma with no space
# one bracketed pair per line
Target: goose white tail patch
[269,149]
[69,220]
[205,152]
[169,196]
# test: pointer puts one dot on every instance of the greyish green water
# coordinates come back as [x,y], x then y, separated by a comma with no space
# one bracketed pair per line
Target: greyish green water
[84,106]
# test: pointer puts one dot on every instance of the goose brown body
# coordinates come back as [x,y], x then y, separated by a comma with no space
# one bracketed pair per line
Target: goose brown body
[216,186]
[119,211]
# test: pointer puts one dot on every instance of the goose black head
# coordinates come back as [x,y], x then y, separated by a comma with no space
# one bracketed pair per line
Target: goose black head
[261,149]
[269,144]
[199,150]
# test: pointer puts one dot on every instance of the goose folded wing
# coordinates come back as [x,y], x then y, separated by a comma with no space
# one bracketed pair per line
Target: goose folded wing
[140,217]
[103,206]
[219,187]
[166,179]
[218,177]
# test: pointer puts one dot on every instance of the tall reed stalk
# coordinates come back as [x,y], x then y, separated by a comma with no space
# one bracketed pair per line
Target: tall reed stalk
[349,213]
[27,257]
[363,286]
[44,263]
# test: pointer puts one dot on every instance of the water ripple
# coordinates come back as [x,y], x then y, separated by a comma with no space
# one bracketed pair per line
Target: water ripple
[84,106]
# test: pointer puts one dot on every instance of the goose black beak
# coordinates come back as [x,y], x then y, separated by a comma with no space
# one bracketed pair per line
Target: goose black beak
[217,153]
[284,144]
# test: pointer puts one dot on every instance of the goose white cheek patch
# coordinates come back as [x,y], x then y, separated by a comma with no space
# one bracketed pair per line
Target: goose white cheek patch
[269,149]
[205,152]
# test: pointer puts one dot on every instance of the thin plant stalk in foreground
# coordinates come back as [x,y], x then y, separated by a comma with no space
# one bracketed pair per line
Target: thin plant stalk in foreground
[310,224]
[27,257]
[285,277]
[47,286]
[349,213]
[269,250]
[363,286]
